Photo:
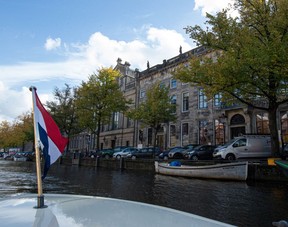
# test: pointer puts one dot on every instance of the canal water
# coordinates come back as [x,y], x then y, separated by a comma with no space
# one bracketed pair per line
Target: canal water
[237,203]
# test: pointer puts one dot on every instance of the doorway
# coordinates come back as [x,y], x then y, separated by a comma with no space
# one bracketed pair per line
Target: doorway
[237,131]
[160,141]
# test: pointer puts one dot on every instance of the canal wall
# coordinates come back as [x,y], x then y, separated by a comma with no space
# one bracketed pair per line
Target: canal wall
[265,172]
[256,171]
[143,164]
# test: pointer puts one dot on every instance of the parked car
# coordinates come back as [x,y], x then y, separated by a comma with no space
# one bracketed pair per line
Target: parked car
[164,155]
[119,148]
[106,153]
[201,152]
[92,154]
[177,153]
[247,146]
[191,146]
[124,152]
[146,152]
[30,155]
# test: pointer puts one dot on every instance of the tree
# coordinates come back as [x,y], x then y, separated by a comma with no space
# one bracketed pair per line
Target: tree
[252,61]
[6,135]
[155,110]
[98,98]
[18,133]
[24,129]
[63,110]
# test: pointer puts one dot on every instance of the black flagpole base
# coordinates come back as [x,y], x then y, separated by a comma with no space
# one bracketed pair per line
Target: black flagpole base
[40,202]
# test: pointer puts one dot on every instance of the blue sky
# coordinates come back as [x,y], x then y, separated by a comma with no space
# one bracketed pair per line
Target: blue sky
[49,43]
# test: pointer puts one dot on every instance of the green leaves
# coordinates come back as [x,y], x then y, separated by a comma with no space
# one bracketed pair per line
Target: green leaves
[17,133]
[155,109]
[246,57]
[98,98]
[251,53]
[63,110]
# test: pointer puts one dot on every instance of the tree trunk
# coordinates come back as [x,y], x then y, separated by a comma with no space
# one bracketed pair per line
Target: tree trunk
[155,136]
[67,147]
[274,131]
[98,134]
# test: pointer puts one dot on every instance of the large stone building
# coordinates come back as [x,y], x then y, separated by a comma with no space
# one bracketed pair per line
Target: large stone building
[199,121]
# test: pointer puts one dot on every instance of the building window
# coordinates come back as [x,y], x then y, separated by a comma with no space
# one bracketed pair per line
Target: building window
[185,133]
[173,138]
[173,83]
[217,100]
[142,94]
[129,123]
[202,100]
[115,123]
[284,88]
[203,132]
[262,123]
[219,132]
[185,102]
[121,81]
[173,101]
[184,129]
[162,85]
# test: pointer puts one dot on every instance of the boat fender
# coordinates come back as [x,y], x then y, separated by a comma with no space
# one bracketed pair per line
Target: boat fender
[175,163]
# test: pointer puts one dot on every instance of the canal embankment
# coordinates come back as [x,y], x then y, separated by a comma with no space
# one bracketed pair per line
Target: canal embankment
[257,171]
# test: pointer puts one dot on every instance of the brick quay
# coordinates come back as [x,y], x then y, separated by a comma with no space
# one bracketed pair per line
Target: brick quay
[257,171]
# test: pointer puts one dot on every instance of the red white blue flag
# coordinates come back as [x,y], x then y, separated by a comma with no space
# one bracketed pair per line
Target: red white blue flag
[51,141]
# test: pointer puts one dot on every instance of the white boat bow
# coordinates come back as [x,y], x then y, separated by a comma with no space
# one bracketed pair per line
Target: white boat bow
[74,210]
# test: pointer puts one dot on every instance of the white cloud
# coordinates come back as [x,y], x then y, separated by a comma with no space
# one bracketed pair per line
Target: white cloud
[81,60]
[159,44]
[14,103]
[211,6]
[52,43]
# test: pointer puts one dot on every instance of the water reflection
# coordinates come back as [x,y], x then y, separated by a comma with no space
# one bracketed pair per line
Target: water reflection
[207,198]
[238,203]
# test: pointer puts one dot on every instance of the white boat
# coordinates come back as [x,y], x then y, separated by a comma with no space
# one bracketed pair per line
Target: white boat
[74,210]
[226,171]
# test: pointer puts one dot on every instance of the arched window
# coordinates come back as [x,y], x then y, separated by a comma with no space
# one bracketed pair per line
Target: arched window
[237,119]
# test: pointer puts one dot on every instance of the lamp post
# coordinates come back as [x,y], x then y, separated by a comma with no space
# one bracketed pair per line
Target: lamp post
[115,139]
[88,138]
[222,120]
[104,141]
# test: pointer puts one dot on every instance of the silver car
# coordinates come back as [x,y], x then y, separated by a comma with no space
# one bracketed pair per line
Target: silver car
[177,152]
[126,152]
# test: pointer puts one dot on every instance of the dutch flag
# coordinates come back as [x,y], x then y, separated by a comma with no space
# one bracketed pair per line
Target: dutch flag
[51,141]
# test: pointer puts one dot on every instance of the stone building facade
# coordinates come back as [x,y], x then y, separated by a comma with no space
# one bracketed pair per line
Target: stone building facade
[199,121]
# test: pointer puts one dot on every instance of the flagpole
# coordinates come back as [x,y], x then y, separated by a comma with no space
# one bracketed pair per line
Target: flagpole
[40,197]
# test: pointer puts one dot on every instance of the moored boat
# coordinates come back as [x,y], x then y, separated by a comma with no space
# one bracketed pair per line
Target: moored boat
[74,210]
[223,171]
[283,165]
